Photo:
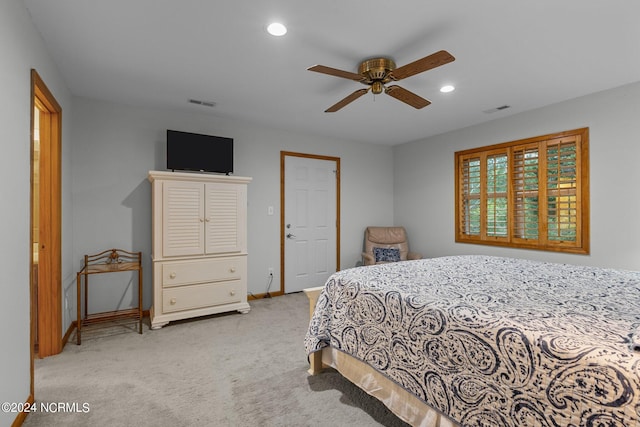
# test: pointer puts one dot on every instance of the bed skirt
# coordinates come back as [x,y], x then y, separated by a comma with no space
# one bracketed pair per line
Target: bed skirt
[402,403]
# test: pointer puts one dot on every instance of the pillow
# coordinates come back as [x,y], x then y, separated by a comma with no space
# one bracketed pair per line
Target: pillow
[386,254]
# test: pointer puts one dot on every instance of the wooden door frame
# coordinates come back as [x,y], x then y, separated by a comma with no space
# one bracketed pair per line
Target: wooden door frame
[283,155]
[48,303]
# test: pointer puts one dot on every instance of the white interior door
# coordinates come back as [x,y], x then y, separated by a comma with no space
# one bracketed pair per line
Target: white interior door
[310,222]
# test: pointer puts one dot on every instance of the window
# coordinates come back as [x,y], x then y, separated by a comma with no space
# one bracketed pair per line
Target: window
[532,193]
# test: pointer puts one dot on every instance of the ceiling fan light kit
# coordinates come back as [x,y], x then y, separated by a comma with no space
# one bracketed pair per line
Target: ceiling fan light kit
[377,72]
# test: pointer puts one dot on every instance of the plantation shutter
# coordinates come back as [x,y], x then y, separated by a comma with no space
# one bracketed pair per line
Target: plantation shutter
[532,193]
[525,188]
[470,196]
[496,195]
[563,208]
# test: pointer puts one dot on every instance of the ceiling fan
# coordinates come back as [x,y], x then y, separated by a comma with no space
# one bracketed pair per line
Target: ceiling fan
[377,72]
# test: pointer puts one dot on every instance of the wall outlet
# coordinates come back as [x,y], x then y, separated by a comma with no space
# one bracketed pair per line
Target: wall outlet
[270,271]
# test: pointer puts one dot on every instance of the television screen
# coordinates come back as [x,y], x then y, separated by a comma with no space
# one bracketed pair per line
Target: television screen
[195,152]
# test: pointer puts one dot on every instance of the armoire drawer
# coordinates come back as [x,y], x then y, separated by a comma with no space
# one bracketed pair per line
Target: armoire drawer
[178,273]
[199,296]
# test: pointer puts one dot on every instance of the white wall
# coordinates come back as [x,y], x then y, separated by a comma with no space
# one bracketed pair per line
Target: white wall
[21,49]
[114,147]
[424,178]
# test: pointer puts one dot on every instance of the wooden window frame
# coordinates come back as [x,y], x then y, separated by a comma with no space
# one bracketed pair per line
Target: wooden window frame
[577,214]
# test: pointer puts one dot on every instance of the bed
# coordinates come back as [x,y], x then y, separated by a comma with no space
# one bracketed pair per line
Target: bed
[485,341]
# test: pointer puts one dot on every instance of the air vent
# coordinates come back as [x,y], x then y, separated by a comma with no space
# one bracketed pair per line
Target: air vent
[203,103]
[493,110]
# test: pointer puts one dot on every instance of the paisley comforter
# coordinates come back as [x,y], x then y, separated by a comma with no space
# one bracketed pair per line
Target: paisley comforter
[492,341]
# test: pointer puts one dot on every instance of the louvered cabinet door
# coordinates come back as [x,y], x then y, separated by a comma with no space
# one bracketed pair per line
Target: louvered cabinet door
[183,218]
[225,218]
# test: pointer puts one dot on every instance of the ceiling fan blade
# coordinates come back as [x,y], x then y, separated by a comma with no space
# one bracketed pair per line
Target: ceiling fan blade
[427,63]
[401,94]
[335,72]
[347,100]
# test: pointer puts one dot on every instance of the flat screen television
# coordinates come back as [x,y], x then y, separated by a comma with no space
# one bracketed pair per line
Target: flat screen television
[195,152]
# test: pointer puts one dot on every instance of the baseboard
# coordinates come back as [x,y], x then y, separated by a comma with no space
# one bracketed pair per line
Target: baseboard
[265,295]
[66,336]
[23,415]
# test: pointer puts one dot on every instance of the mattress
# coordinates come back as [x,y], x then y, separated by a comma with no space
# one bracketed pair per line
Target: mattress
[493,341]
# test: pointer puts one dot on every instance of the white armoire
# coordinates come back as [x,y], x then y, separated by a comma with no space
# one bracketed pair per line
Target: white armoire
[199,245]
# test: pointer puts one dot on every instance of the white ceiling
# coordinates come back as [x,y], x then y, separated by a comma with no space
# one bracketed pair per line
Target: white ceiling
[161,53]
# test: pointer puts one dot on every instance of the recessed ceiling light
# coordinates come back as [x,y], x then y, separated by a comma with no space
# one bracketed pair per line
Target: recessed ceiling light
[447,88]
[277,29]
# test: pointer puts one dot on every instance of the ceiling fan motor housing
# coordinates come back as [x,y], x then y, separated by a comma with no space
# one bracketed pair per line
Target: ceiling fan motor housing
[376,71]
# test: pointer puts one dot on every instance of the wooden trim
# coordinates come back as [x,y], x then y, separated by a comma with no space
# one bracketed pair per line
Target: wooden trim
[585,192]
[47,309]
[19,420]
[582,131]
[67,335]
[283,155]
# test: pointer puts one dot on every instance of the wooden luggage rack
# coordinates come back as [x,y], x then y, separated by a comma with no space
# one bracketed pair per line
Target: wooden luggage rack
[109,261]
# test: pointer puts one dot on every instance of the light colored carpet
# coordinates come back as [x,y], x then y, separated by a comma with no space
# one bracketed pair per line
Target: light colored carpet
[223,370]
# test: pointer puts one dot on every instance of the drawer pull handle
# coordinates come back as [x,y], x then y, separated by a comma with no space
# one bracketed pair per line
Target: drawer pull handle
[172,275]
[232,269]
[232,293]
[172,301]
